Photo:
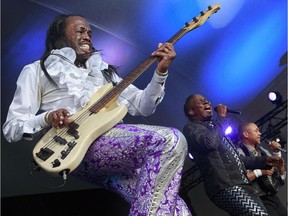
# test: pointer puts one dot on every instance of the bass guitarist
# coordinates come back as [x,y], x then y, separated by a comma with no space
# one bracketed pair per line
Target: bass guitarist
[142,163]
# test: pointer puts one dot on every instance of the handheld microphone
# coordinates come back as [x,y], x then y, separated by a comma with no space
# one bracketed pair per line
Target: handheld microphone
[230,111]
[278,148]
[281,149]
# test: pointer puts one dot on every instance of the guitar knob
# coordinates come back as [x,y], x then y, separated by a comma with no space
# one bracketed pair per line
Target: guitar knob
[56,163]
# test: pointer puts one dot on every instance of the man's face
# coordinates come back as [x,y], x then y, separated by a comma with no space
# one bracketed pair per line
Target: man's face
[252,134]
[78,33]
[201,108]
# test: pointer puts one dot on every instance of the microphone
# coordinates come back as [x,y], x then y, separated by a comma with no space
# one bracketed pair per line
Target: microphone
[281,149]
[278,148]
[230,111]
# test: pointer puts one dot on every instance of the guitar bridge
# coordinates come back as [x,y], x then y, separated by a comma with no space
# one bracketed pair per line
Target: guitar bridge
[64,153]
[44,153]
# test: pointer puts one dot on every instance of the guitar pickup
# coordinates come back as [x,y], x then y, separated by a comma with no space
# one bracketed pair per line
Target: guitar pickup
[59,139]
[73,132]
[44,153]
[73,125]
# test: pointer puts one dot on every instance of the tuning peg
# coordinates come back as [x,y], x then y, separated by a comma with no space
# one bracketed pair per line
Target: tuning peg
[195,19]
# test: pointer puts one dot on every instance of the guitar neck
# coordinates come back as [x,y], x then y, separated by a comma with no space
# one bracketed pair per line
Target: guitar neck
[130,78]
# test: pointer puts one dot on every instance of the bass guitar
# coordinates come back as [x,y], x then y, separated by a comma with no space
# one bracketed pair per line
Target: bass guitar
[60,151]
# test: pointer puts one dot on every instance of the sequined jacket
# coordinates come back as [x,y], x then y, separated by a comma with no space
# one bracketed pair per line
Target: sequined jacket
[266,185]
[216,156]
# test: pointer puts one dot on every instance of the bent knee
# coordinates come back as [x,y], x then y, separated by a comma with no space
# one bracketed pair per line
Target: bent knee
[177,142]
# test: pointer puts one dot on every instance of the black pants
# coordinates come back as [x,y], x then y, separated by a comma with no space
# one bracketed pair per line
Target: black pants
[274,205]
[240,201]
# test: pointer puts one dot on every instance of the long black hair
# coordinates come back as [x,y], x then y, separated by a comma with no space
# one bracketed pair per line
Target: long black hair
[56,39]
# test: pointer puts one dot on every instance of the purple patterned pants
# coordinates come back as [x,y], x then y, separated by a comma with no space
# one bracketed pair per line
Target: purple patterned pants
[141,163]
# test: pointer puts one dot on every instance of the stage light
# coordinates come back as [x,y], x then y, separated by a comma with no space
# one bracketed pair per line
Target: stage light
[231,132]
[275,98]
[230,127]
[228,130]
[191,156]
[278,139]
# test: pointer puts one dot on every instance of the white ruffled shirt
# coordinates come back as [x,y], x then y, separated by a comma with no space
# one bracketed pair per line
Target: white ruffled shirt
[35,95]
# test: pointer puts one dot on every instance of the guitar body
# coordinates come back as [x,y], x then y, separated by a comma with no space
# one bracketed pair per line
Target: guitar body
[90,128]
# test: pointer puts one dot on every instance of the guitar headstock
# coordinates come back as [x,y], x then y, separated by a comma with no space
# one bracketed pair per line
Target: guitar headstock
[199,20]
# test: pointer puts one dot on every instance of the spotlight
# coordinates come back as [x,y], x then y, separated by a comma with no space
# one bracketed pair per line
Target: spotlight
[191,156]
[275,97]
[228,130]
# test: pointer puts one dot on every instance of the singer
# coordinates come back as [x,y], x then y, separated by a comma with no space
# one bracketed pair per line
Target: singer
[267,182]
[141,163]
[225,180]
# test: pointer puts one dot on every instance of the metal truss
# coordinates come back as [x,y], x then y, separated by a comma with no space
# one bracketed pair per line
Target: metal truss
[271,123]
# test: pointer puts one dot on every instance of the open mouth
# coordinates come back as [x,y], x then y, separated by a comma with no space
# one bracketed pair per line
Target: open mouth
[85,47]
[208,108]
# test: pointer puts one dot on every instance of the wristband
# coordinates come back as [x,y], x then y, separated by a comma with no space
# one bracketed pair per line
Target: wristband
[46,117]
[283,177]
[161,74]
[257,172]
[277,154]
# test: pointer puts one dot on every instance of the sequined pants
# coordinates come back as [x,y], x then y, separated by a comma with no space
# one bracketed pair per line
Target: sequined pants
[141,163]
[239,201]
